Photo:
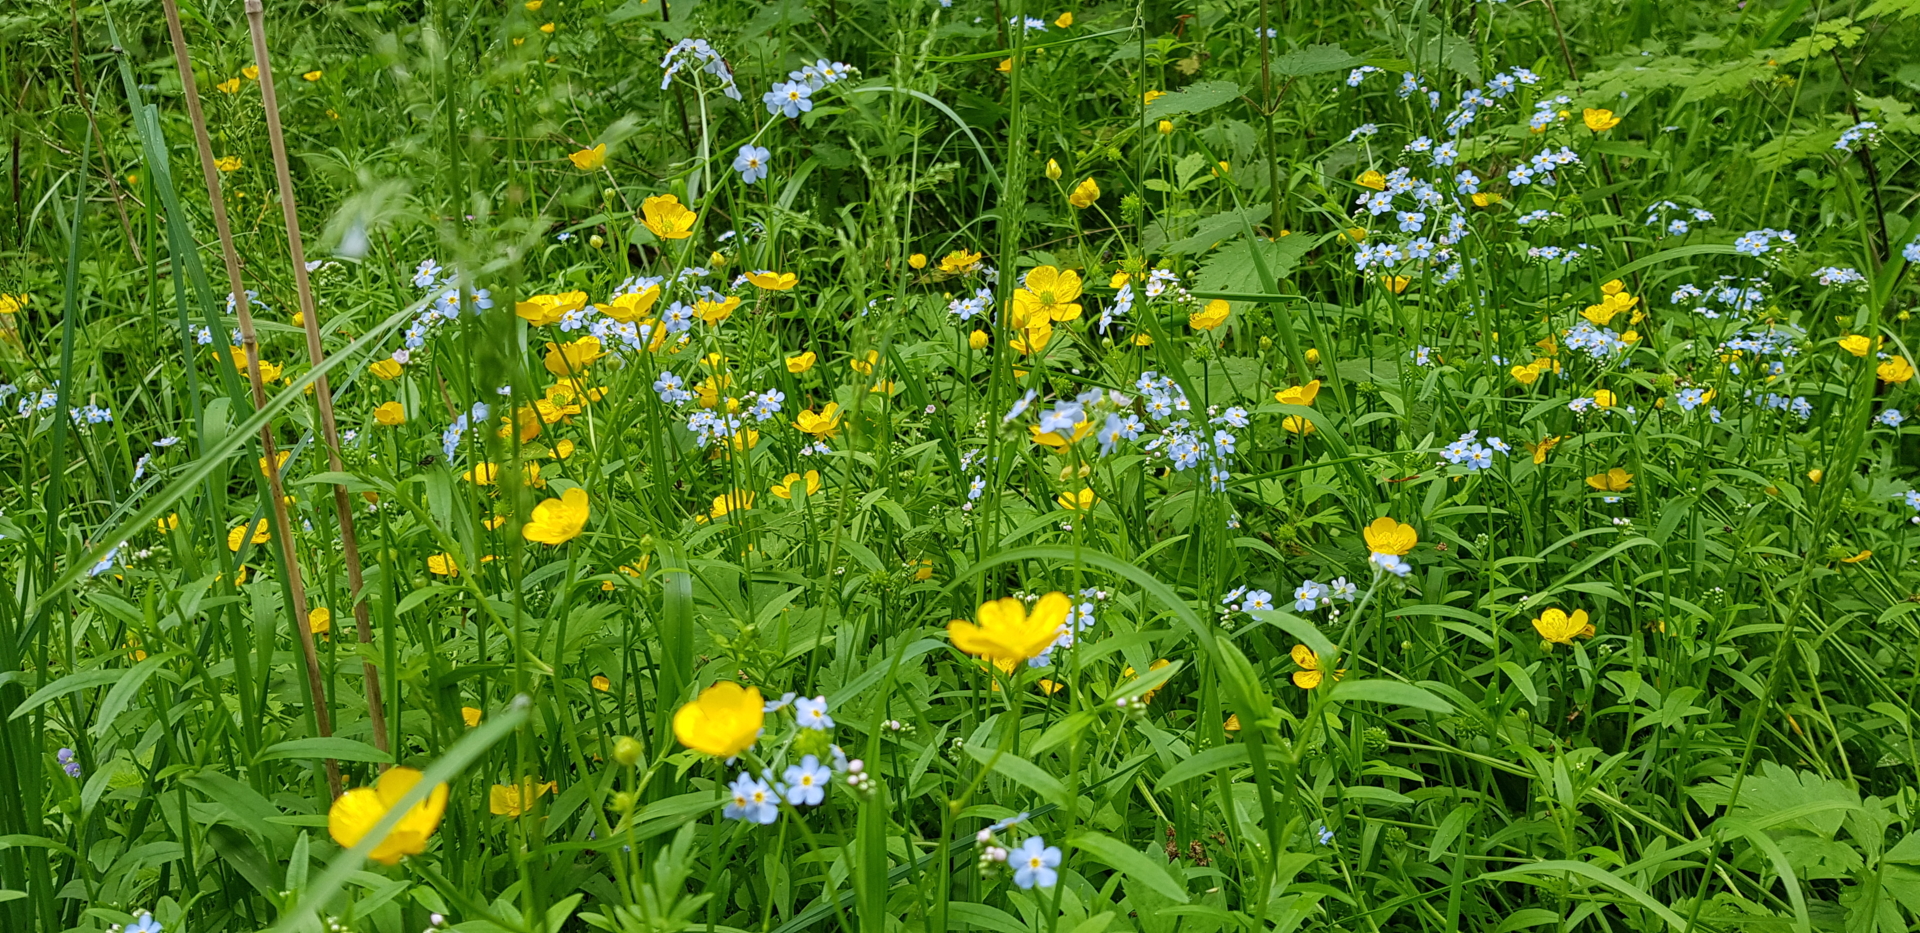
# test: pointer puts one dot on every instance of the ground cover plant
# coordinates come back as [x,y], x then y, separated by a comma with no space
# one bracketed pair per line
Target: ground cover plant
[870,465]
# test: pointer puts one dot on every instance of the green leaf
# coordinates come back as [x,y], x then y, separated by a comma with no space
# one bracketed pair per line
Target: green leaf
[1552,876]
[1214,229]
[1151,680]
[1206,762]
[1231,268]
[72,683]
[872,675]
[124,691]
[1313,60]
[1022,772]
[1391,692]
[984,917]
[331,746]
[1521,679]
[1130,862]
[1193,98]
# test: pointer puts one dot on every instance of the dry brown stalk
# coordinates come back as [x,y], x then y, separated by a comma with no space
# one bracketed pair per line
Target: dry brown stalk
[316,354]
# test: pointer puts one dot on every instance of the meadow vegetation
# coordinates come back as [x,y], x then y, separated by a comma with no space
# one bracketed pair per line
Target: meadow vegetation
[922,465]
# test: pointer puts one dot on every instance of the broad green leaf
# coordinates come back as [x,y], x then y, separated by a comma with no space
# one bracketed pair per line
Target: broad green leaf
[1391,692]
[331,746]
[72,683]
[1130,862]
[1206,762]
[1313,60]
[1022,772]
[1194,98]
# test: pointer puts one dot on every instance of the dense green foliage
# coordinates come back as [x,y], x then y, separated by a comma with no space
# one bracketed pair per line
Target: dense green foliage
[1173,466]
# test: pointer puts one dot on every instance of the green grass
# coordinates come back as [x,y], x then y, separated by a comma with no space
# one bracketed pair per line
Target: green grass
[1731,748]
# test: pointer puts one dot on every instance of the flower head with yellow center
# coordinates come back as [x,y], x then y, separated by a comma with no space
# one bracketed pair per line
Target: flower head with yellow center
[1008,632]
[723,722]
[1049,293]
[355,813]
[1560,628]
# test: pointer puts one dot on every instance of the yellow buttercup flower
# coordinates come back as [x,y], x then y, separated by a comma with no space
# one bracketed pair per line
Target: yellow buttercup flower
[279,461]
[1605,398]
[801,363]
[667,218]
[443,565]
[470,715]
[1295,424]
[1614,480]
[917,261]
[390,414]
[1856,344]
[1165,127]
[313,75]
[571,359]
[1151,96]
[1048,293]
[1610,306]
[1298,395]
[1599,120]
[229,86]
[1077,501]
[1541,449]
[320,620]
[482,474]
[1895,370]
[784,488]
[773,281]
[1526,373]
[1210,317]
[587,160]
[1008,633]
[1372,179]
[170,523]
[977,340]
[1309,675]
[600,682]
[1053,170]
[738,500]
[252,72]
[1387,536]
[387,369]
[557,521]
[1084,194]
[512,800]
[1857,558]
[723,722]
[713,312]
[823,425]
[1081,431]
[260,534]
[227,163]
[543,310]
[355,813]
[1560,628]
[960,262]
[1065,20]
